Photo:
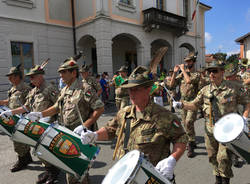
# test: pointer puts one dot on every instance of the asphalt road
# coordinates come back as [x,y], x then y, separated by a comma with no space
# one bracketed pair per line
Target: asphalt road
[188,171]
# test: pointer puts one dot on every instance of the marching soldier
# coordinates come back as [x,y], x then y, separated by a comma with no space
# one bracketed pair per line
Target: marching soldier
[16,98]
[77,103]
[121,95]
[217,99]
[42,96]
[188,80]
[144,126]
[156,93]
[90,80]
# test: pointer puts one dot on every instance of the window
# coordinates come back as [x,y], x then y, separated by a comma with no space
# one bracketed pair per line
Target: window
[128,2]
[22,53]
[126,5]
[160,4]
[21,3]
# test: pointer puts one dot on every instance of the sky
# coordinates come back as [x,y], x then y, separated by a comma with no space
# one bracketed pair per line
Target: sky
[224,23]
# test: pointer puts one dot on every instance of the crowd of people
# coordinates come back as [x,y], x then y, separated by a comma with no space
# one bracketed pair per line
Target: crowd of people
[142,122]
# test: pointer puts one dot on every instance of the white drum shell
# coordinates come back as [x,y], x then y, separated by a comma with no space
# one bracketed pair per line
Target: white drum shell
[231,131]
[128,170]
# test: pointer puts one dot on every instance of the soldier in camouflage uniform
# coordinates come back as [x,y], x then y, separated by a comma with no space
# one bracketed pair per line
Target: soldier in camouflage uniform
[90,80]
[149,127]
[156,93]
[188,80]
[16,98]
[74,97]
[218,98]
[42,96]
[121,95]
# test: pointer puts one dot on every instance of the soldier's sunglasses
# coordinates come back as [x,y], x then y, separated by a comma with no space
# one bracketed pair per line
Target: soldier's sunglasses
[213,71]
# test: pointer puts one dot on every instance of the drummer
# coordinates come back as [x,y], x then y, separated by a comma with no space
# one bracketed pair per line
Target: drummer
[16,98]
[75,99]
[218,98]
[150,128]
[42,96]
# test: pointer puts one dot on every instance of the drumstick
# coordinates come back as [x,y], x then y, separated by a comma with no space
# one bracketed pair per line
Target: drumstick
[75,101]
[168,92]
[119,139]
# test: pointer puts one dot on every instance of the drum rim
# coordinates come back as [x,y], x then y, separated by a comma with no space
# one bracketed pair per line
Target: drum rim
[131,172]
[217,127]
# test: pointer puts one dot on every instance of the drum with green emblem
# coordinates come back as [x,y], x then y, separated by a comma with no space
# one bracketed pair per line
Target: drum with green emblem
[29,132]
[7,124]
[64,149]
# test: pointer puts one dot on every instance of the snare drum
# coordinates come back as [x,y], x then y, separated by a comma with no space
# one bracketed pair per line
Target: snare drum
[29,132]
[134,168]
[7,125]
[233,132]
[64,149]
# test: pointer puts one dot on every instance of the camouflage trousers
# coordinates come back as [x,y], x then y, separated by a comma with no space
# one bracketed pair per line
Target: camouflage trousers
[188,118]
[219,156]
[121,102]
[21,149]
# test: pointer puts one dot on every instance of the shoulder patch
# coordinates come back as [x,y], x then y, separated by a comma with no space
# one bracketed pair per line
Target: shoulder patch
[88,93]
[176,123]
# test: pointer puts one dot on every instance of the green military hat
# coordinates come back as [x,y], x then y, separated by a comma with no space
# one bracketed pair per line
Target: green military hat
[123,69]
[37,69]
[231,69]
[191,56]
[68,64]
[84,68]
[141,76]
[215,64]
[15,70]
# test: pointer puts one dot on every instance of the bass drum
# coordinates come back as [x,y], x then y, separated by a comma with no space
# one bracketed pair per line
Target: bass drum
[133,168]
[63,148]
[29,132]
[7,125]
[232,131]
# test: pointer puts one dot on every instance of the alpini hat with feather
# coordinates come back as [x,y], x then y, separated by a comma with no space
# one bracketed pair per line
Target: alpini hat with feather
[70,63]
[38,69]
[191,56]
[141,76]
[15,70]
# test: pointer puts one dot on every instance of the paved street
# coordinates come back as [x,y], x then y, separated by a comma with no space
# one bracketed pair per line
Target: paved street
[188,171]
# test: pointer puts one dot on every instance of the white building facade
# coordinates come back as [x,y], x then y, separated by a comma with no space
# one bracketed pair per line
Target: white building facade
[110,32]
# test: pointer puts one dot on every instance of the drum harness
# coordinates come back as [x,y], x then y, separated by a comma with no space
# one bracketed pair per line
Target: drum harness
[213,111]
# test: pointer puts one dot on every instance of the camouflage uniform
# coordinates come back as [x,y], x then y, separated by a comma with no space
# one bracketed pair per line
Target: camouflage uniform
[226,97]
[39,99]
[151,133]
[188,93]
[156,91]
[90,80]
[42,98]
[16,98]
[121,95]
[93,83]
[87,100]
[87,103]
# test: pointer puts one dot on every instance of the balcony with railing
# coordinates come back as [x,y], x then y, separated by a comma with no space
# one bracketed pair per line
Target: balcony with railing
[158,19]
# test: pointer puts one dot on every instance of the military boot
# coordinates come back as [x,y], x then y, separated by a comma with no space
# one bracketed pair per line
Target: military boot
[218,180]
[43,178]
[53,173]
[190,152]
[225,180]
[20,164]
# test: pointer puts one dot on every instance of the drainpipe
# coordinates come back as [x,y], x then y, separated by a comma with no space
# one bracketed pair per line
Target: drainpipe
[73,25]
